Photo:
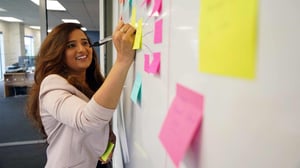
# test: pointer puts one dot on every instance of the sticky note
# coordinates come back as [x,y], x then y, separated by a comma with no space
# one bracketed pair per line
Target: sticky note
[147,2]
[181,123]
[157,7]
[138,35]
[133,17]
[130,5]
[228,37]
[136,94]
[154,66]
[158,31]
[147,63]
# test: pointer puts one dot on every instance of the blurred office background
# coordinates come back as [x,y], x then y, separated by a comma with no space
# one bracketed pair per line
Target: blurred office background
[23,25]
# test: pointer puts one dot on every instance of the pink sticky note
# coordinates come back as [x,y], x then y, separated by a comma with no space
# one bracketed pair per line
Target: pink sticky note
[146,63]
[158,31]
[147,2]
[182,122]
[157,7]
[155,65]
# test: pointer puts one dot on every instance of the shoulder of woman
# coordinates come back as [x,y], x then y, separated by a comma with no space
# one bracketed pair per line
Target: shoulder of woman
[55,81]
[53,78]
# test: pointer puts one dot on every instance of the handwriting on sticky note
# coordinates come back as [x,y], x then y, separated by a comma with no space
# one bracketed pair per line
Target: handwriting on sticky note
[182,121]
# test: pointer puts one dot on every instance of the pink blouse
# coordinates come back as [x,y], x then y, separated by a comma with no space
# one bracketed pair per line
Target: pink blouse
[77,127]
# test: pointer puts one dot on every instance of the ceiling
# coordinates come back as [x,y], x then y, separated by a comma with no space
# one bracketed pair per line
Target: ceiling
[86,11]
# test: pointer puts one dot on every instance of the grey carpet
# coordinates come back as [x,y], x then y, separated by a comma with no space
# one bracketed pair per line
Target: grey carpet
[23,156]
[15,127]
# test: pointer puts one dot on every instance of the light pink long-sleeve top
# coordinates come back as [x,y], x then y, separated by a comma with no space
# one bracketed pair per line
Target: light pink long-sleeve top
[77,127]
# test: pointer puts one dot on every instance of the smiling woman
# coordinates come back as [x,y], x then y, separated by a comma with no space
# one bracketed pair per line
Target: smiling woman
[70,102]
[26,138]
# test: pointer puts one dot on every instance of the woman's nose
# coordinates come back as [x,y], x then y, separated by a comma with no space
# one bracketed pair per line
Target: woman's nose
[80,47]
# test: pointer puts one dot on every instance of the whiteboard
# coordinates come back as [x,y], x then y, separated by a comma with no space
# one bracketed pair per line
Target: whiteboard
[246,123]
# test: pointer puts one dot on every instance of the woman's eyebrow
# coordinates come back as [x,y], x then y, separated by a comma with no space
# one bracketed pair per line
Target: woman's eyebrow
[71,41]
[75,40]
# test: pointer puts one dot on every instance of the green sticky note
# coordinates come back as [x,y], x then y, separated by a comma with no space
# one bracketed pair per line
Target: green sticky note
[108,151]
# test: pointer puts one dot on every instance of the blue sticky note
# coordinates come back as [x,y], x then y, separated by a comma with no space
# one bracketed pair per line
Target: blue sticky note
[136,94]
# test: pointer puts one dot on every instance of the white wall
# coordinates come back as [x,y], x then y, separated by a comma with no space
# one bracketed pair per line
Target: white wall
[13,35]
[36,34]
[13,44]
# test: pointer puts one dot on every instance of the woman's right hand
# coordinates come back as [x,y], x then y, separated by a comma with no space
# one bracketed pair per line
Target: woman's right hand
[123,39]
[109,93]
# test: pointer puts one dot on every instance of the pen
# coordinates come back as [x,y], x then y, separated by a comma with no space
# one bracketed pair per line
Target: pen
[101,42]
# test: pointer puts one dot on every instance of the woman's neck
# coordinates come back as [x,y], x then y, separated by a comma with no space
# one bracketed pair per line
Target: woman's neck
[79,77]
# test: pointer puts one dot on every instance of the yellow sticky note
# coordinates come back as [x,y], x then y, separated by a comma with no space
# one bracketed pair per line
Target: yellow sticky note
[133,17]
[108,151]
[138,35]
[228,30]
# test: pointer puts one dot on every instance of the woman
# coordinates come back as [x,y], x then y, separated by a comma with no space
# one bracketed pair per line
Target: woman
[70,102]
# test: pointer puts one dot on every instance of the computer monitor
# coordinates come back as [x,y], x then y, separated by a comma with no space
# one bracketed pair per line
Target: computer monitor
[26,61]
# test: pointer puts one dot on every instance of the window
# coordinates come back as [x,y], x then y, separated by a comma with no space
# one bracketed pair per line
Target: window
[29,48]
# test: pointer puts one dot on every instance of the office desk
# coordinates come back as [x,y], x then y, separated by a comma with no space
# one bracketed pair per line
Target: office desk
[18,79]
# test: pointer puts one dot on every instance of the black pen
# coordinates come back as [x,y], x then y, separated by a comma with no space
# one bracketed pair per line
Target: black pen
[101,42]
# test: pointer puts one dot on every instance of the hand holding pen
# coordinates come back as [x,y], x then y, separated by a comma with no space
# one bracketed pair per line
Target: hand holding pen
[101,42]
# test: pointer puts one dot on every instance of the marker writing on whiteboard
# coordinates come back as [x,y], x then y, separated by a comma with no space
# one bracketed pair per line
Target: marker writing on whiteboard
[101,42]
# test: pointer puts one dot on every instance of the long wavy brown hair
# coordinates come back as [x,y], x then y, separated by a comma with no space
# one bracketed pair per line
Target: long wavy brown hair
[51,60]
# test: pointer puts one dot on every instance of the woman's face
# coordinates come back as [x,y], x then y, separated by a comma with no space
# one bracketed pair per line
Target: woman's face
[78,54]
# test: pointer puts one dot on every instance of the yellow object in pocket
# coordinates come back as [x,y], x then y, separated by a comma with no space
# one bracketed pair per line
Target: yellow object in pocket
[107,152]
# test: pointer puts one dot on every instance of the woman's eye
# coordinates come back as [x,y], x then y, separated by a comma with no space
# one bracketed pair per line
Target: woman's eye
[85,43]
[71,45]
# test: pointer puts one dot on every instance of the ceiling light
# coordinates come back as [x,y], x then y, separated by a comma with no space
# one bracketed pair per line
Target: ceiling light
[10,19]
[37,2]
[84,28]
[55,5]
[70,21]
[51,5]
[35,27]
